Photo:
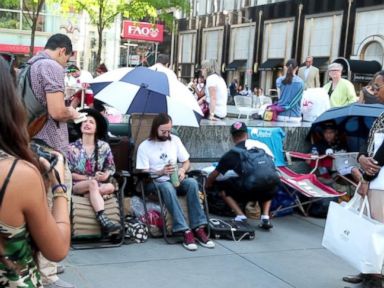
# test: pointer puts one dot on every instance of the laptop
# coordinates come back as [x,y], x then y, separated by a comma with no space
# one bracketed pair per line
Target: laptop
[343,160]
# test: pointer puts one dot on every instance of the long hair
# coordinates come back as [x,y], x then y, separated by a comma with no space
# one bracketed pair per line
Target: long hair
[14,138]
[161,119]
[291,66]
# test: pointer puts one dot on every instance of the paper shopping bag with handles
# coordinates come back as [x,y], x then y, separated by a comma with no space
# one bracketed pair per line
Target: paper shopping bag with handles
[355,237]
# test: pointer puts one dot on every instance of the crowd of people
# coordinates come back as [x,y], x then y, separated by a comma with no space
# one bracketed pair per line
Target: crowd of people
[40,218]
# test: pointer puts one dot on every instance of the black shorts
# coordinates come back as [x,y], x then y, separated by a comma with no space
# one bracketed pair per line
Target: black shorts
[232,187]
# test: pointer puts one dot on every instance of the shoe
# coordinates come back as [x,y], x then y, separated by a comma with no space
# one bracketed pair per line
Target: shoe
[60,269]
[189,242]
[373,281]
[354,279]
[240,218]
[203,239]
[60,284]
[265,224]
[106,224]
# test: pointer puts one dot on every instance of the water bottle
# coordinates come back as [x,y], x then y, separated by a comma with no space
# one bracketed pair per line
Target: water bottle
[174,177]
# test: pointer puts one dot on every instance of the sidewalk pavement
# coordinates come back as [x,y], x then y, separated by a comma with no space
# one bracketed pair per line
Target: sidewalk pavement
[290,255]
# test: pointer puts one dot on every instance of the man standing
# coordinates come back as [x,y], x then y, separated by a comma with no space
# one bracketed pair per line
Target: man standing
[158,155]
[47,81]
[309,74]
[228,176]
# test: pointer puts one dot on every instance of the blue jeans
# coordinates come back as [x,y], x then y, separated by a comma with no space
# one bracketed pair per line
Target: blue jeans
[190,188]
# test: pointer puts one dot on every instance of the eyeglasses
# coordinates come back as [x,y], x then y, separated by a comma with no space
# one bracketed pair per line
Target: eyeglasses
[165,131]
[334,70]
[376,87]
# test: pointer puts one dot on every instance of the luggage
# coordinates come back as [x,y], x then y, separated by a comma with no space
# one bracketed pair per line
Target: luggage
[230,229]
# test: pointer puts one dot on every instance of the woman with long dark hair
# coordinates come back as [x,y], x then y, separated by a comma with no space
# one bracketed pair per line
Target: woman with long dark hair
[291,89]
[26,223]
[91,163]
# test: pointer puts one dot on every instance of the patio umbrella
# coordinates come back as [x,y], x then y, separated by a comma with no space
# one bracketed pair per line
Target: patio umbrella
[143,90]
[354,120]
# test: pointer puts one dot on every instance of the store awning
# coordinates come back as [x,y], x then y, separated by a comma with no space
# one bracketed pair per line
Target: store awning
[236,65]
[272,64]
[359,71]
[18,49]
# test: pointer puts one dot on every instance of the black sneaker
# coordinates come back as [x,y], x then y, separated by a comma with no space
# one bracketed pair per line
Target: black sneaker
[265,224]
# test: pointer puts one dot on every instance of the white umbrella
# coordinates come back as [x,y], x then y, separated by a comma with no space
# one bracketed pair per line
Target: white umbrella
[143,90]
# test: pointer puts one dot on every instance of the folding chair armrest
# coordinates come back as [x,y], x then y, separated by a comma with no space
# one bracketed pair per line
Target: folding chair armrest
[123,173]
[145,175]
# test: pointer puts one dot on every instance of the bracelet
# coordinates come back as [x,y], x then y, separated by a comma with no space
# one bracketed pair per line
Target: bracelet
[62,186]
[61,193]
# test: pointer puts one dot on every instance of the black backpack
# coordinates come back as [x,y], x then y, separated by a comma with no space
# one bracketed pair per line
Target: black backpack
[36,112]
[257,169]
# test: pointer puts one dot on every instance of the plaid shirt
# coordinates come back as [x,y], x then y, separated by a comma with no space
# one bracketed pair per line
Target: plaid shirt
[47,76]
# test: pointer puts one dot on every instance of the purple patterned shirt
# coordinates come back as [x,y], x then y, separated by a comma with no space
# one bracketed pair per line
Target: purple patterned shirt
[47,76]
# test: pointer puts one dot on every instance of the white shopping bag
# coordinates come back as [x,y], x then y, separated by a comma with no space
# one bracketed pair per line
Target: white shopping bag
[315,101]
[355,237]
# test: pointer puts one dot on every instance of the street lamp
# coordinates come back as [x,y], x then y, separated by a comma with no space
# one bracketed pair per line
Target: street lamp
[249,60]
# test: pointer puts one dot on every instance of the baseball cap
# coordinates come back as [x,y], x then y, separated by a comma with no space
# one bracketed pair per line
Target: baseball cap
[238,127]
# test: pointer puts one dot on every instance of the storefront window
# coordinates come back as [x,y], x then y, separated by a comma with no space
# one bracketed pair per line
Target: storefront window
[9,20]
[374,51]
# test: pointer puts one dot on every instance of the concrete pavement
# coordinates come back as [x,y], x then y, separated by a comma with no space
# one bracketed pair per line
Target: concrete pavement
[290,255]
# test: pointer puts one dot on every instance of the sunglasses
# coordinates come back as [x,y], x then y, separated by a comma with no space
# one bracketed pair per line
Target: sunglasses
[376,87]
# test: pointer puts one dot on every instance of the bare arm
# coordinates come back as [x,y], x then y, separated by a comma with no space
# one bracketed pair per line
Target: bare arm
[57,109]
[212,103]
[51,232]
[211,178]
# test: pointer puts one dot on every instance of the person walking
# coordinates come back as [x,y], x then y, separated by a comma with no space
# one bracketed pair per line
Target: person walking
[309,74]
[47,81]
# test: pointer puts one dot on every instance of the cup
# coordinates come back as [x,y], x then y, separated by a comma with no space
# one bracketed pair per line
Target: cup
[174,177]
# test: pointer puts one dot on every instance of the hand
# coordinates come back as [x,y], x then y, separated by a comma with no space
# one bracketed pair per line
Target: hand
[168,169]
[75,114]
[47,167]
[369,165]
[101,176]
[212,117]
[363,190]
[181,174]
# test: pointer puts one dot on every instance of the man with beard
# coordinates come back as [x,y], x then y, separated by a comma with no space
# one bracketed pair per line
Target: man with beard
[158,155]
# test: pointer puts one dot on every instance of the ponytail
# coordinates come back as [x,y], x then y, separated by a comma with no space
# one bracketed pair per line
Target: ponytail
[291,66]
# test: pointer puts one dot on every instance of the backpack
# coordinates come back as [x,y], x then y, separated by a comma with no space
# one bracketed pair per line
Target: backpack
[37,113]
[257,169]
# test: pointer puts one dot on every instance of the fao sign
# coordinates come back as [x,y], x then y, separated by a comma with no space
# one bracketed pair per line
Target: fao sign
[142,31]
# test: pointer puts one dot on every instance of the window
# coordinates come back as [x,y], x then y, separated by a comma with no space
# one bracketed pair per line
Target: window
[374,51]
[187,47]
[212,45]
[241,42]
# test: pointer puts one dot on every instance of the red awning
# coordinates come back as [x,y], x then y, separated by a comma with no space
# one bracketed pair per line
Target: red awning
[18,49]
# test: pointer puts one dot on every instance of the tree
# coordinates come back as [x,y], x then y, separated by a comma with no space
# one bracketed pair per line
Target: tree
[32,10]
[102,13]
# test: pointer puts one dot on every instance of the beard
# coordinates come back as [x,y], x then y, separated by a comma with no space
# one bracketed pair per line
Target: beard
[163,138]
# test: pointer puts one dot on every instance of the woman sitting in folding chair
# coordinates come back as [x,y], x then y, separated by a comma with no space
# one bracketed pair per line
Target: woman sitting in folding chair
[91,162]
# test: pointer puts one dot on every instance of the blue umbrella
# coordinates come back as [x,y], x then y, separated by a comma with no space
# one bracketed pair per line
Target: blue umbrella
[355,120]
[143,90]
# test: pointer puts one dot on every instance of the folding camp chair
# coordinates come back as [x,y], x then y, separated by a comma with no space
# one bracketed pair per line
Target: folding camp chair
[294,184]
[86,232]
[140,127]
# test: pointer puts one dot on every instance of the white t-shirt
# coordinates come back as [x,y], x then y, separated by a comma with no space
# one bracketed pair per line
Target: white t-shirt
[218,82]
[154,155]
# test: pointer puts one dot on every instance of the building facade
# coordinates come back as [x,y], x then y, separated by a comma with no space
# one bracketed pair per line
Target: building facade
[251,40]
